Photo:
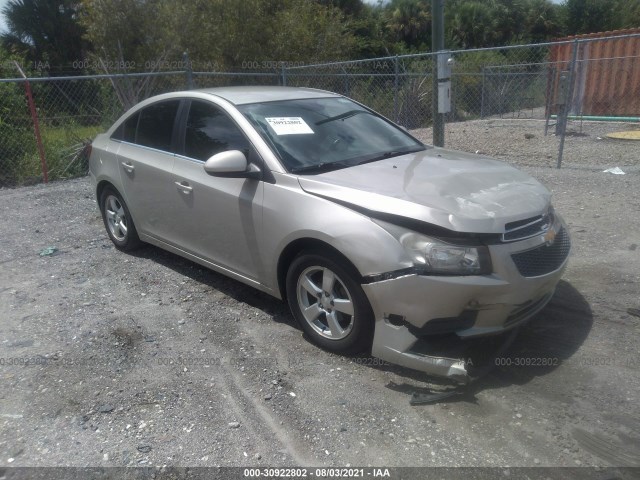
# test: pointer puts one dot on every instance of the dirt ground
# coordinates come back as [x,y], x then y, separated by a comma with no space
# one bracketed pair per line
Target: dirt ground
[114,359]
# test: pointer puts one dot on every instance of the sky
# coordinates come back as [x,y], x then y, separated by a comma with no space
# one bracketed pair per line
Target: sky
[2,24]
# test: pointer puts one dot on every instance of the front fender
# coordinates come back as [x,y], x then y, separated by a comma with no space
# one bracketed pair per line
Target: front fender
[291,214]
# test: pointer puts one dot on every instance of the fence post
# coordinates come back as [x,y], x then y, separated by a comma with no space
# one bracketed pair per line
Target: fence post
[568,101]
[551,94]
[284,75]
[36,125]
[482,95]
[437,46]
[188,71]
[346,84]
[395,89]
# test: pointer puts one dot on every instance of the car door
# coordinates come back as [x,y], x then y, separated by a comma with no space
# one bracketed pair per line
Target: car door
[145,159]
[220,219]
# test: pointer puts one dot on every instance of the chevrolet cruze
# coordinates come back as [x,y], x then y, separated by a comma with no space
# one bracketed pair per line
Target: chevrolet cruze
[376,241]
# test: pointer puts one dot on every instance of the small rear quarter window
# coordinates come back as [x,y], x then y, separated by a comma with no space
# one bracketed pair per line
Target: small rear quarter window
[127,129]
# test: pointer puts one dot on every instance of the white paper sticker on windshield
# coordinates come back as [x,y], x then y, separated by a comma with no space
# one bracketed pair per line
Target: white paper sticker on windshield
[288,125]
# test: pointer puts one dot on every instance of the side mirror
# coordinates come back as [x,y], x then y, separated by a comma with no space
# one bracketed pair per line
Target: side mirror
[231,164]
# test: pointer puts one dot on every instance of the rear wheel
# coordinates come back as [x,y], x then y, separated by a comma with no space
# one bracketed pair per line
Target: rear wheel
[118,221]
[329,303]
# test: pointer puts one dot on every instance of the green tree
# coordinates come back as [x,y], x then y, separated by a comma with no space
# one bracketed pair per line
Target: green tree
[44,31]
[628,14]
[543,21]
[310,32]
[126,35]
[366,22]
[409,22]
[372,37]
[474,24]
[588,16]
[226,33]
[351,8]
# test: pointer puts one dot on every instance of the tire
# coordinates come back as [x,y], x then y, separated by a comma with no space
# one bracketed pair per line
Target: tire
[117,220]
[340,322]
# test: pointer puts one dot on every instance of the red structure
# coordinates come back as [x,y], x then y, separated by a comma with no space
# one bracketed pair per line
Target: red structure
[606,74]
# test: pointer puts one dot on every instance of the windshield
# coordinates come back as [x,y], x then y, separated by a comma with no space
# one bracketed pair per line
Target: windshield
[320,134]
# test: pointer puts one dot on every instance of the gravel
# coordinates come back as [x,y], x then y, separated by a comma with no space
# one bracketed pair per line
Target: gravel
[114,359]
[523,142]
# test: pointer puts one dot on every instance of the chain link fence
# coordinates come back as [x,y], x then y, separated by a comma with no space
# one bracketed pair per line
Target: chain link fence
[46,123]
[542,105]
[539,105]
[400,88]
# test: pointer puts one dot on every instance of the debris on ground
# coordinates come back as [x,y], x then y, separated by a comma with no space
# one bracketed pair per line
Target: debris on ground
[48,252]
[614,170]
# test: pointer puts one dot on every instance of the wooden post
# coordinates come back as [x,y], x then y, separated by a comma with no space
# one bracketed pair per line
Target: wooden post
[36,125]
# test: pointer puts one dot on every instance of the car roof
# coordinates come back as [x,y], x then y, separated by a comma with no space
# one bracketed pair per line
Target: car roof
[257,94]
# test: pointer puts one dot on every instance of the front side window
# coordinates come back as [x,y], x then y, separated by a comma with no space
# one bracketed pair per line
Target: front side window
[319,134]
[210,131]
[155,126]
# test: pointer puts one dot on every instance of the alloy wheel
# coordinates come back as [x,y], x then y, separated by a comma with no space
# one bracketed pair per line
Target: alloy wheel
[325,302]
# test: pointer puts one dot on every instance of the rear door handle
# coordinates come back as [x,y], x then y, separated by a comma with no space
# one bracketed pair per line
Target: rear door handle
[128,167]
[184,187]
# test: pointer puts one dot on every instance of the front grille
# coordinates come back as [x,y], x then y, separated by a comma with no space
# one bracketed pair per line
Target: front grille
[544,259]
[527,228]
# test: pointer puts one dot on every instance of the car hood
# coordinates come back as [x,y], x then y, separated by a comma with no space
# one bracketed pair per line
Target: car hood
[453,190]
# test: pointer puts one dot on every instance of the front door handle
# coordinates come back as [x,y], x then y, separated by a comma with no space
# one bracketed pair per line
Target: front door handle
[184,187]
[128,167]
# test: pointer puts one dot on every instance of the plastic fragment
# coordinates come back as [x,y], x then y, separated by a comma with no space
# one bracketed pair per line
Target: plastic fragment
[614,170]
[47,252]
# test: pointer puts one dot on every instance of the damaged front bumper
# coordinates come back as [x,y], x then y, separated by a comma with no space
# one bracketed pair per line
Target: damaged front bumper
[412,308]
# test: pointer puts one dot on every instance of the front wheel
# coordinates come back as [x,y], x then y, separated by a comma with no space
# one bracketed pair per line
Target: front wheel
[329,303]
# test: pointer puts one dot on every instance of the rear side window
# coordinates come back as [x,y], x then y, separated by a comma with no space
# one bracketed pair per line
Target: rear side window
[210,131]
[127,129]
[155,126]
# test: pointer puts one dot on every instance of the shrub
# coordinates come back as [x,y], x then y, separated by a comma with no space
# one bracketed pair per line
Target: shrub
[17,143]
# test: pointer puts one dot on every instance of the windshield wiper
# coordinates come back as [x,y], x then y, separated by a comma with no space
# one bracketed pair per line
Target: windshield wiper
[342,116]
[320,167]
[392,153]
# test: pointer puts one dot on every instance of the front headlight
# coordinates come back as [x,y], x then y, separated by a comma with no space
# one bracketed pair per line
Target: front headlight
[434,256]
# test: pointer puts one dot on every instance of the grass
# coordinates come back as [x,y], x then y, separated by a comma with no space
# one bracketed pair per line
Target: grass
[63,148]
